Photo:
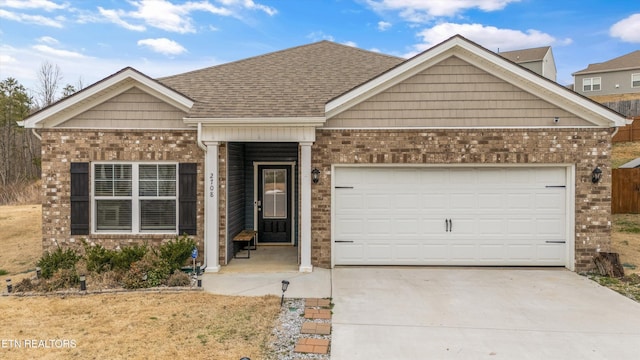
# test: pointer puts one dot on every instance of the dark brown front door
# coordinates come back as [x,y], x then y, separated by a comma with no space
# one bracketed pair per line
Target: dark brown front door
[274,199]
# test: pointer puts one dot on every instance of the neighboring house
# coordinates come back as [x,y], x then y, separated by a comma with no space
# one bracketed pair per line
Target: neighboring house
[453,157]
[614,77]
[539,60]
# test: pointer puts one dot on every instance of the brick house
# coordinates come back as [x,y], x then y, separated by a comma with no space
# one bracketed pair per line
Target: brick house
[456,156]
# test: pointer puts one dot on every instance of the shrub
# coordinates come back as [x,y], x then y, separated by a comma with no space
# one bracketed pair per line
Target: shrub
[123,259]
[3,272]
[49,263]
[176,252]
[62,279]
[179,278]
[149,271]
[25,285]
[98,258]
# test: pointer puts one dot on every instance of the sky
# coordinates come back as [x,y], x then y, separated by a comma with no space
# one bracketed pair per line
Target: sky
[91,39]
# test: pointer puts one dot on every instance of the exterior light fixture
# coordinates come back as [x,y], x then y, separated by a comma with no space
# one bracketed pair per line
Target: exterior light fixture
[10,287]
[199,277]
[83,282]
[285,285]
[596,175]
[315,175]
[38,272]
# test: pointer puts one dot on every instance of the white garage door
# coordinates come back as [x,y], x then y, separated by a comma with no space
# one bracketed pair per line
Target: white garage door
[449,216]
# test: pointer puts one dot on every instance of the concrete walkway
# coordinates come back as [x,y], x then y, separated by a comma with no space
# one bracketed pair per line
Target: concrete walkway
[316,284]
[470,313]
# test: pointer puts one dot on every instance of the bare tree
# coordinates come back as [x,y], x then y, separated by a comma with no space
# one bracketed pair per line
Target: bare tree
[49,79]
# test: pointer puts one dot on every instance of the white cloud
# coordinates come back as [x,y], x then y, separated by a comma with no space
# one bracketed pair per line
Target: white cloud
[490,37]
[350,43]
[426,10]
[165,15]
[47,40]
[319,36]
[116,18]
[627,29]
[163,46]
[249,4]
[32,19]
[6,59]
[48,50]
[33,4]
[383,25]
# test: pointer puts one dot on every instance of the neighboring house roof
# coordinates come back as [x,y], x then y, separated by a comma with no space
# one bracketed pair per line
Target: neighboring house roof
[296,82]
[624,62]
[526,55]
[631,164]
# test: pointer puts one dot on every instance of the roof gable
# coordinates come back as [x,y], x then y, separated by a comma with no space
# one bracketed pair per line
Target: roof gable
[490,62]
[101,92]
[625,62]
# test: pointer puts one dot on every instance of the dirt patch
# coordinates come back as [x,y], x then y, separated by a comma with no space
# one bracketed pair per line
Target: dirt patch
[137,326]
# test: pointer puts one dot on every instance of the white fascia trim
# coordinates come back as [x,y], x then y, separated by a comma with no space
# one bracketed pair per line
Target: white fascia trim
[316,121]
[123,82]
[607,118]
[462,128]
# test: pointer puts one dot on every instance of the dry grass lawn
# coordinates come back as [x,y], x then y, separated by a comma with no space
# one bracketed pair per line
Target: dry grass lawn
[186,325]
[623,152]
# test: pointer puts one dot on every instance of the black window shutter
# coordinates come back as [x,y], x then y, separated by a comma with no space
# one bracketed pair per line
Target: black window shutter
[80,198]
[187,198]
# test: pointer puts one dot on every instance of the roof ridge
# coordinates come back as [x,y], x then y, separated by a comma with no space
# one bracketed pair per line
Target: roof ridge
[269,54]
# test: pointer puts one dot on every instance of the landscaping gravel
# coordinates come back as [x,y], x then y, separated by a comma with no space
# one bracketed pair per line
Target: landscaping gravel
[287,333]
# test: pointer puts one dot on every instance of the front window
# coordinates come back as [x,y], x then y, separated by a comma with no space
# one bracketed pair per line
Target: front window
[135,197]
[635,80]
[591,84]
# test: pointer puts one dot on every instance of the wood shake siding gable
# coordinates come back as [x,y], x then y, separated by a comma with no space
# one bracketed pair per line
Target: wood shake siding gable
[453,93]
[133,109]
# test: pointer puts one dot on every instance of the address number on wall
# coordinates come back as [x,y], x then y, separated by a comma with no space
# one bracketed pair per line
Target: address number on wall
[212,186]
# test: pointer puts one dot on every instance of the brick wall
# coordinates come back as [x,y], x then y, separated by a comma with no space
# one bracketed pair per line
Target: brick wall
[60,147]
[585,148]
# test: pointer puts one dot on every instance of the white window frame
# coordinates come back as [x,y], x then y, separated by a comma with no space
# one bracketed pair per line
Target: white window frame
[637,76]
[592,82]
[135,199]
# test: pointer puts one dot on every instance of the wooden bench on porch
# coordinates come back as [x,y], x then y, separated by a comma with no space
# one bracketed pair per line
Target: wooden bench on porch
[245,236]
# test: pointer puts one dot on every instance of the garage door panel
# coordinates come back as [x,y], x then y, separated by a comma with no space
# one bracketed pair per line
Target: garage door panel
[499,216]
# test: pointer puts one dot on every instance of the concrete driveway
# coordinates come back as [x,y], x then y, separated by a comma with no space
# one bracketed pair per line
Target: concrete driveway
[471,313]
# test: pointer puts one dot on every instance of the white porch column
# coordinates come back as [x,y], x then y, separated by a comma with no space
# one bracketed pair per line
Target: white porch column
[305,207]
[211,208]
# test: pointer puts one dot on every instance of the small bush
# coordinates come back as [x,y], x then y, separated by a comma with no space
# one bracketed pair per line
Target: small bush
[49,263]
[61,279]
[123,259]
[98,258]
[25,285]
[3,272]
[176,252]
[179,278]
[150,271]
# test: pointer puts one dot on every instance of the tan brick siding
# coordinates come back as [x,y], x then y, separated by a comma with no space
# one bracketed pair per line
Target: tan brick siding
[585,148]
[60,147]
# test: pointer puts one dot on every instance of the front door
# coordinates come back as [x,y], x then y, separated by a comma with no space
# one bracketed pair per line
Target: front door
[274,203]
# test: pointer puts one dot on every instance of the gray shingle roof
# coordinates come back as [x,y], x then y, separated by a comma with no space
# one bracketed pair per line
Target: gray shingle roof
[293,82]
[525,55]
[624,62]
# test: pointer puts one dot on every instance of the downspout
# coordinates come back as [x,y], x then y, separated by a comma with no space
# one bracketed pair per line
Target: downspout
[199,138]
[35,133]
